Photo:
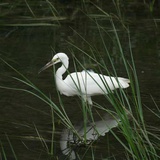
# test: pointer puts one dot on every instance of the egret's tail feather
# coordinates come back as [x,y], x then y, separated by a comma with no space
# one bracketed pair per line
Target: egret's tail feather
[124,79]
[124,82]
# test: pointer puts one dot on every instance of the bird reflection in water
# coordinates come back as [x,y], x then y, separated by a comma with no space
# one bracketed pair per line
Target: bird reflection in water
[69,141]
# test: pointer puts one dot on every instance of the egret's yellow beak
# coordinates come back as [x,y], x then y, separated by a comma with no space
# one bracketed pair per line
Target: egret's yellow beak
[46,66]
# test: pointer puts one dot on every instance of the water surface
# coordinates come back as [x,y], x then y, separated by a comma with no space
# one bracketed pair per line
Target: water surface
[24,117]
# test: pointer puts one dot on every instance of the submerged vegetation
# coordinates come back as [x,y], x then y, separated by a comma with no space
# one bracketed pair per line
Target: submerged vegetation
[135,138]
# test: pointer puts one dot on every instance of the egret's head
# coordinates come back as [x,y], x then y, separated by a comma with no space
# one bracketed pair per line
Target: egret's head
[59,57]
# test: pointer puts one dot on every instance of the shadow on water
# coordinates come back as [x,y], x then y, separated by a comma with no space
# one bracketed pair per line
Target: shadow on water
[26,123]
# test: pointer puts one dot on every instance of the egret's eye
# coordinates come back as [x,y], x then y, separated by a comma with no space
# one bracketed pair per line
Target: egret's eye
[55,60]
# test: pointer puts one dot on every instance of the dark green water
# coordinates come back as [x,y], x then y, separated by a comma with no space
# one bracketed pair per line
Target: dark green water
[29,48]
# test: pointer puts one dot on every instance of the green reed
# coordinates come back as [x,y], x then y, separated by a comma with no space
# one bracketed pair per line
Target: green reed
[128,107]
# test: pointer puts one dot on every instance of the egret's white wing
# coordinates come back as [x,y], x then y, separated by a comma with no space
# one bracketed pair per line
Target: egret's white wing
[91,83]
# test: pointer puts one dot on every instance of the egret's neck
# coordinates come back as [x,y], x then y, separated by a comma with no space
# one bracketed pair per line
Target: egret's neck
[60,71]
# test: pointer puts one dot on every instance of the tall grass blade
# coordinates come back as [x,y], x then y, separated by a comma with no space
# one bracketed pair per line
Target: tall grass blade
[3,153]
[12,149]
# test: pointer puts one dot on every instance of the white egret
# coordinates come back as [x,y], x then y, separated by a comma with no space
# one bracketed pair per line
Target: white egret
[85,83]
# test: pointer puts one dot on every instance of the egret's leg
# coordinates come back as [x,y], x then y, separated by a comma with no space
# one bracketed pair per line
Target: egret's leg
[87,99]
